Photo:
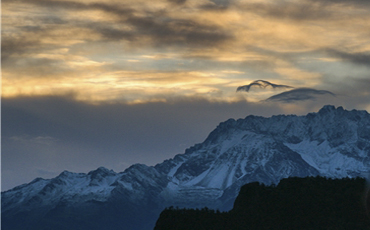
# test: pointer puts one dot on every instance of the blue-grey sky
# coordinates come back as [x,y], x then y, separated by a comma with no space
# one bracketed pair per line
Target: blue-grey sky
[111,83]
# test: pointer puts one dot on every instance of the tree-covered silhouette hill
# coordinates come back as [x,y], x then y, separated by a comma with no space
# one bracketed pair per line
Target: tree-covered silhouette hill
[295,203]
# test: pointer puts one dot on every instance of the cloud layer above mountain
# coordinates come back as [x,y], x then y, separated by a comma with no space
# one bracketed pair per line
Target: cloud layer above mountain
[300,94]
[291,96]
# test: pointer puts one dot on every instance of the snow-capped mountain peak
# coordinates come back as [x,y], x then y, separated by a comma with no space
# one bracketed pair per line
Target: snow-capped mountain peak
[333,142]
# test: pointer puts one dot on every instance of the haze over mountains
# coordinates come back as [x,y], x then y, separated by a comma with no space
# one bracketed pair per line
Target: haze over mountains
[332,143]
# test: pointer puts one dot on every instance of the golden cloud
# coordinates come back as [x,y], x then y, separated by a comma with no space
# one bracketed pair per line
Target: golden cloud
[136,51]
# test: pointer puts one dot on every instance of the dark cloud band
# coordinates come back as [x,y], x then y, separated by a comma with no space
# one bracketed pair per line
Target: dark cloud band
[359,58]
[155,25]
[300,94]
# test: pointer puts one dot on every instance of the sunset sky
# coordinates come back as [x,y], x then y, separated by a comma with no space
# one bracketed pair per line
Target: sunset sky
[112,83]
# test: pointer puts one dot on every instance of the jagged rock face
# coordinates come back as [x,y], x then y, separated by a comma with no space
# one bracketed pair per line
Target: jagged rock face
[333,142]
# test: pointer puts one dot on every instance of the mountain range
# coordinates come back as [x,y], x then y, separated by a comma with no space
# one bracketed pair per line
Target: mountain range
[333,143]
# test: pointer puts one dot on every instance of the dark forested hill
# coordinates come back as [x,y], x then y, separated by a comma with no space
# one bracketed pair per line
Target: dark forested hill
[295,203]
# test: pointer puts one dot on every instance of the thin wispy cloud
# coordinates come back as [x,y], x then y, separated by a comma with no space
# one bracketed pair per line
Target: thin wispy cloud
[343,2]
[261,84]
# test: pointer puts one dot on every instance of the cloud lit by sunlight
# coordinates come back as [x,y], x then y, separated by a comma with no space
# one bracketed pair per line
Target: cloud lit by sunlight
[136,51]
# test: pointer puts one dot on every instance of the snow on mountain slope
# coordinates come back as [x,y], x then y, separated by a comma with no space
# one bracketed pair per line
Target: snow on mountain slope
[94,185]
[333,142]
[331,162]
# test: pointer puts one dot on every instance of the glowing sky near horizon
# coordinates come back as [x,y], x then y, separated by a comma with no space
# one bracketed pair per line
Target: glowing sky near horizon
[65,61]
